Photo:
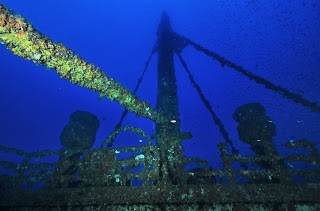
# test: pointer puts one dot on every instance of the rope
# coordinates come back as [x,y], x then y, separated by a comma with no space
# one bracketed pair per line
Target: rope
[113,135]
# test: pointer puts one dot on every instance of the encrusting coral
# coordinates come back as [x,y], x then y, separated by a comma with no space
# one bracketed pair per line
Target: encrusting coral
[23,40]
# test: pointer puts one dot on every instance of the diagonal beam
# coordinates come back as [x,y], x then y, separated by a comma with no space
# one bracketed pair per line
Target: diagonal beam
[23,40]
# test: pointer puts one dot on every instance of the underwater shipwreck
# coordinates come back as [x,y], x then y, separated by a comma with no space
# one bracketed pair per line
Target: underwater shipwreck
[153,176]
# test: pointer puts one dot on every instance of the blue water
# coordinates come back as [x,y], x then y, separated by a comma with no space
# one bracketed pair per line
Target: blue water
[277,40]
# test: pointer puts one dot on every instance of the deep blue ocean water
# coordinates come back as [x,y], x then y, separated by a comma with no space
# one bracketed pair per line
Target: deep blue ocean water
[277,40]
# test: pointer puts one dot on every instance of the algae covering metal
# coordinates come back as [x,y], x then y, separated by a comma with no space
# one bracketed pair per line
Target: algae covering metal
[23,40]
[105,181]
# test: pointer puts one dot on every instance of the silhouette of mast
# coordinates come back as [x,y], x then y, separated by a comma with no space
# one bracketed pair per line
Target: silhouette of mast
[167,98]
[168,135]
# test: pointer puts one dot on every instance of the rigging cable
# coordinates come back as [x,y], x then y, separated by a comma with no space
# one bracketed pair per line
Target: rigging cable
[206,102]
[269,85]
[125,112]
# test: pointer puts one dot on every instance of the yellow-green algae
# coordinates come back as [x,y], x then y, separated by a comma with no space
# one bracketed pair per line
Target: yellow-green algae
[23,40]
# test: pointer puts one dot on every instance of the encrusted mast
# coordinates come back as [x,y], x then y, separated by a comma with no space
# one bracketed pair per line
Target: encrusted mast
[168,135]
